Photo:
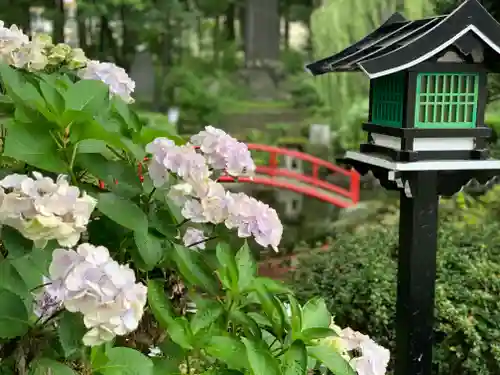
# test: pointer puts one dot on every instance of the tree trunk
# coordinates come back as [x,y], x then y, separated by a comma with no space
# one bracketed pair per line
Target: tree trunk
[82,31]
[229,22]
[216,41]
[58,30]
[286,18]
[242,24]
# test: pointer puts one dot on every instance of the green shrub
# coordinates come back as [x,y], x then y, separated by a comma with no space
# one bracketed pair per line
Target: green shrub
[358,279]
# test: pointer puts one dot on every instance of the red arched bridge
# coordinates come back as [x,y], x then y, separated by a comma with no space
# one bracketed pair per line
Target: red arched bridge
[310,179]
[304,174]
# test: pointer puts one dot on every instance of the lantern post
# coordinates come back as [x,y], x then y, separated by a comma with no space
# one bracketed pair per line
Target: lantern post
[426,138]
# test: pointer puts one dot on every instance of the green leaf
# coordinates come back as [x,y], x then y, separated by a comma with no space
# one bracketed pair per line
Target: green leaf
[46,366]
[88,96]
[247,268]
[296,316]
[11,280]
[315,314]
[150,249]
[13,315]
[91,146]
[165,367]
[33,145]
[190,266]
[317,333]
[272,308]
[70,330]
[53,98]
[205,316]
[123,211]
[295,359]
[228,350]
[246,322]
[112,171]
[228,269]
[15,243]
[274,286]
[177,328]
[33,266]
[149,133]
[126,361]
[260,359]
[331,359]
[158,302]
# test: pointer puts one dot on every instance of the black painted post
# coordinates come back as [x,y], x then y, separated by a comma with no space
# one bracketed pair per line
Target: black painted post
[416,274]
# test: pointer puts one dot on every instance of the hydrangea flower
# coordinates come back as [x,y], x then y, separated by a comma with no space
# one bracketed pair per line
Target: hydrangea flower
[194,238]
[115,77]
[88,281]
[224,152]
[184,161]
[42,210]
[254,218]
[209,204]
[11,40]
[48,301]
[374,358]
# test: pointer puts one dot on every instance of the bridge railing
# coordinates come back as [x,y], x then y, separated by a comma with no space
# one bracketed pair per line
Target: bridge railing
[273,169]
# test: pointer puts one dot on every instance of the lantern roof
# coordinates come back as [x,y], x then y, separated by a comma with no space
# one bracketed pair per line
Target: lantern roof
[400,44]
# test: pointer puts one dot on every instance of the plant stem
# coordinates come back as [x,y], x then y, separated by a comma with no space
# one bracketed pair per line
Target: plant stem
[202,241]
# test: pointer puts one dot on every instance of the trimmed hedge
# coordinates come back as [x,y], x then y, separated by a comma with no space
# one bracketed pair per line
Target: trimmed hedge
[358,279]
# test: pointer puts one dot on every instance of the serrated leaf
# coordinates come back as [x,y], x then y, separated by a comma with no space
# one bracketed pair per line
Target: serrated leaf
[13,315]
[46,366]
[190,266]
[331,359]
[315,314]
[150,249]
[126,361]
[70,330]
[260,359]
[229,351]
[122,211]
[206,316]
[89,96]
[33,145]
[295,359]
[247,268]
[15,243]
[177,328]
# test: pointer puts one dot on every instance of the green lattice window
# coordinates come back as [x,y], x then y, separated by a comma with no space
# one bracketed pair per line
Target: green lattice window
[446,100]
[387,100]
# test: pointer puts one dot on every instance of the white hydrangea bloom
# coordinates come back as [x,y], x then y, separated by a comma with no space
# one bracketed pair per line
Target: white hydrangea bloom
[224,152]
[11,40]
[180,193]
[42,210]
[115,77]
[31,56]
[106,293]
[207,205]
[374,358]
[254,218]
[194,238]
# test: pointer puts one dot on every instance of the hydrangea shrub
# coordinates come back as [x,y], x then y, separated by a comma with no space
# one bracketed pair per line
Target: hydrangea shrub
[89,249]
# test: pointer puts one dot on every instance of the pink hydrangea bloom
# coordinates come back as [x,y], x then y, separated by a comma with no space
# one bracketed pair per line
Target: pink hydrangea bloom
[223,152]
[168,158]
[254,218]
[193,238]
